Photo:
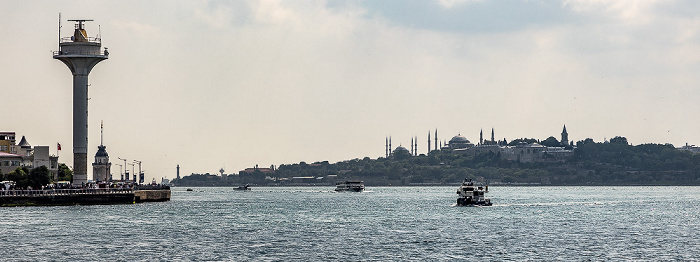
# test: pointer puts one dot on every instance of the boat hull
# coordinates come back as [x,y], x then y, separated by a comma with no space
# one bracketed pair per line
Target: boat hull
[350,186]
[349,189]
[467,202]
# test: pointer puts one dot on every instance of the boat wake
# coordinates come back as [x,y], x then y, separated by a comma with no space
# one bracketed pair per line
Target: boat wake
[553,204]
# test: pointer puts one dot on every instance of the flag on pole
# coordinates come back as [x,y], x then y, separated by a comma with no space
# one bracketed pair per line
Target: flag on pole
[59,146]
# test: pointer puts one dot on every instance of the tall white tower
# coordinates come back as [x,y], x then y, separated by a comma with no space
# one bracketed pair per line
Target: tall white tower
[80,53]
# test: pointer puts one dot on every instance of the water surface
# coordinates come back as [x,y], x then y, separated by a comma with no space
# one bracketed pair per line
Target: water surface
[384,223]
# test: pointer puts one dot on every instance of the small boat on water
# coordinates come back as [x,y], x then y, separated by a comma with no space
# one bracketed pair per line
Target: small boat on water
[350,186]
[471,195]
[242,188]
[189,189]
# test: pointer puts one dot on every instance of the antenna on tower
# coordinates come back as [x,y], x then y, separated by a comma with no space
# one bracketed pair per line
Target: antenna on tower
[102,125]
[59,30]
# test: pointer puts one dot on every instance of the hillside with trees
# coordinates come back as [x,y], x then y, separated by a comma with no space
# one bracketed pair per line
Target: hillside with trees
[615,162]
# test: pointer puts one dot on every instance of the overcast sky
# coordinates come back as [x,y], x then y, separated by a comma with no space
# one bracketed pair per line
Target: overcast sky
[212,84]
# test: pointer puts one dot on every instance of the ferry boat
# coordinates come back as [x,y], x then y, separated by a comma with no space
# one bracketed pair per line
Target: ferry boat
[471,195]
[350,186]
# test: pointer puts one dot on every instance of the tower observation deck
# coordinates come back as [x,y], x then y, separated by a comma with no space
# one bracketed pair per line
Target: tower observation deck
[80,53]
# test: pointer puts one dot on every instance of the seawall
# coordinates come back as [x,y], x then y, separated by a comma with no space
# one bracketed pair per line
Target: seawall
[157,195]
[101,196]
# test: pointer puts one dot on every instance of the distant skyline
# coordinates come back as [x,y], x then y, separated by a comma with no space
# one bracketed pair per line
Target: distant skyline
[232,84]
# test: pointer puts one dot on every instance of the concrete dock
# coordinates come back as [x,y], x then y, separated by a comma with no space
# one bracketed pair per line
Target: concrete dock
[84,196]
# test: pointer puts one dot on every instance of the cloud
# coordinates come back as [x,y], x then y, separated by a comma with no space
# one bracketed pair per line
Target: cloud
[630,12]
[453,3]
[272,82]
[217,18]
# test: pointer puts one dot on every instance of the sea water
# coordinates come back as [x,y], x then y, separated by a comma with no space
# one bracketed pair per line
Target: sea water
[383,223]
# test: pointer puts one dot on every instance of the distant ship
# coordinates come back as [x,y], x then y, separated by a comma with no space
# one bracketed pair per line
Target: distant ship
[242,188]
[350,186]
[470,195]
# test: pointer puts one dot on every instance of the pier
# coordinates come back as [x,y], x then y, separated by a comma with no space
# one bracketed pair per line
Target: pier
[84,196]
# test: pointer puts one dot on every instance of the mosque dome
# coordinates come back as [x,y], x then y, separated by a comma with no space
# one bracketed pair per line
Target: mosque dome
[459,139]
[401,149]
[458,142]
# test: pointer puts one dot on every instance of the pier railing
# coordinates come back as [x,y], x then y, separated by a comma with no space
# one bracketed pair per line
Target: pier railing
[64,192]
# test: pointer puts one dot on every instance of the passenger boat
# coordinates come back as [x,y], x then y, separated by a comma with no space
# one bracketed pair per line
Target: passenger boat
[471,195]
[242,188]
[350,186]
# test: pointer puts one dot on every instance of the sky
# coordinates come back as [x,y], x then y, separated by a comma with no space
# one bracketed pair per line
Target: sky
[233,84]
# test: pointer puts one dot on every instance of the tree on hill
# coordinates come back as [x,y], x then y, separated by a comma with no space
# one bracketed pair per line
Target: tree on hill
[522,141]
[551,142]
[619,140]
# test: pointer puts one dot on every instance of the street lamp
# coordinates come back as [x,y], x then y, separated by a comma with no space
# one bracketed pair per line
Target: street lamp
[138,162]
[120,171]
[123,177]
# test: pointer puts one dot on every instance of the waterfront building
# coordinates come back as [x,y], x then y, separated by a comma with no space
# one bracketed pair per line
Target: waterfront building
[7,142]
[256,169]
[9,162]
[24,155]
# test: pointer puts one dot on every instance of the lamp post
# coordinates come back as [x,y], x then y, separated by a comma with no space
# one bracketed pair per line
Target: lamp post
[124,177]
[138,162]
[120,171]
[132,171]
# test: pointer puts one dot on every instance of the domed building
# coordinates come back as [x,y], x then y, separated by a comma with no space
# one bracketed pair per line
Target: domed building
[400,150]
[401,153]
[459,142]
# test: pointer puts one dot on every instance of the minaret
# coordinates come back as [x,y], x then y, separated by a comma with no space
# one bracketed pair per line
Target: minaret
[481,137]
[493,140]
[436,140]
[390,146]
[178,171]
[101,168]
[428,141]
[386,147]
[415,141]
[564,137]
[411,145]
[80,53]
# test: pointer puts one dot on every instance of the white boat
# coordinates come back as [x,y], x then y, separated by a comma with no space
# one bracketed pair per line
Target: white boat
[350,186]
[471,195]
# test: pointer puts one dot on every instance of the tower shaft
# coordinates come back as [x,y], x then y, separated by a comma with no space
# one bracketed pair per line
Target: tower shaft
[80,54]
